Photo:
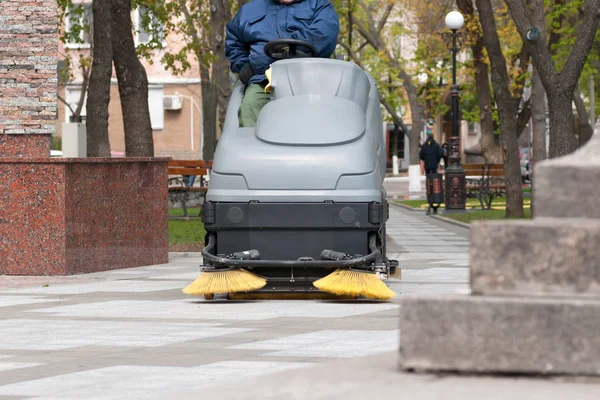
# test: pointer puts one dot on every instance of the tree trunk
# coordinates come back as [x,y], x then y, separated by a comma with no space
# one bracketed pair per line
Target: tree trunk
[220,65]
[488,144]
[538,102]
[507,110]
[98,144]
[394,139]
[559,86]
[85,74]
[489,147]
[538,117]
[585,128]
[210,100]
[562,139]
[415,111]
[133,84]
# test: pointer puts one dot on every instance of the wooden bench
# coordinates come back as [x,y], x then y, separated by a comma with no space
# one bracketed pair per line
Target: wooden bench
[488,184]
[180,171]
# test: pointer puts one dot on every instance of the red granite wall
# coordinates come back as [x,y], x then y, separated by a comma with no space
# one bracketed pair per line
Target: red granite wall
[116,215]
[64,216]
[70,216]
[32,214]
[16,146]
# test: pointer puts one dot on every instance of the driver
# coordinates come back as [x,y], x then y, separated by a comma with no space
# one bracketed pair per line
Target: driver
[260,21]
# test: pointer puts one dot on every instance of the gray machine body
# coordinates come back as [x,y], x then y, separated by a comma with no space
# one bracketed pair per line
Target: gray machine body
[320,139]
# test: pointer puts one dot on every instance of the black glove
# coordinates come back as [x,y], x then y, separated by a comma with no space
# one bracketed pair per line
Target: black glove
[246,73]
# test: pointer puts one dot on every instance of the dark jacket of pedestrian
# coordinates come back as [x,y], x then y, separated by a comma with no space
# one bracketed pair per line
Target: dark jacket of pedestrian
[431,153]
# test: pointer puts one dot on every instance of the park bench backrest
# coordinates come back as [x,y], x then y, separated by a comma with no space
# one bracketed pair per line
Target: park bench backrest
[496,169]
[189,167]
[473,169]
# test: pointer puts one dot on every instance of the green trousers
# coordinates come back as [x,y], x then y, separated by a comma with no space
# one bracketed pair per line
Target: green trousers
[253,101]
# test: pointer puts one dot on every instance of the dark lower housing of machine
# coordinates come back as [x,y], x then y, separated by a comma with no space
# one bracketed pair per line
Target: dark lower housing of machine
[294,244]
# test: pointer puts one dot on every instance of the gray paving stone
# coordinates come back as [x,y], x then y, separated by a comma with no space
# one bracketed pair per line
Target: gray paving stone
[92,335]
[500,334]
[377,377]
[435,275]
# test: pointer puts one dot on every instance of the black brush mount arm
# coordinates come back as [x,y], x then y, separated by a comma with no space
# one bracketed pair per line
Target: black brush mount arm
[216,261]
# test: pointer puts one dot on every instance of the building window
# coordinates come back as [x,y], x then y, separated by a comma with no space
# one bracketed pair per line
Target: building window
[146,25]
[78,26]
[155,104]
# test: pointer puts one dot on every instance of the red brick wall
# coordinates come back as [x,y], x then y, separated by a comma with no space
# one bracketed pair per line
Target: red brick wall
[28,77]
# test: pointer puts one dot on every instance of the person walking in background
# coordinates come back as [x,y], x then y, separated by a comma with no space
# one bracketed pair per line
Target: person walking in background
[431,153]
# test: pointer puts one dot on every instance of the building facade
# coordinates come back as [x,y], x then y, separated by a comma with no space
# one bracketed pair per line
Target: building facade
[174,101]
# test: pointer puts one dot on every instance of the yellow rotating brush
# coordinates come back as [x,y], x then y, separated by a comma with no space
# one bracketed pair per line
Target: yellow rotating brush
[227,280]
[355,283]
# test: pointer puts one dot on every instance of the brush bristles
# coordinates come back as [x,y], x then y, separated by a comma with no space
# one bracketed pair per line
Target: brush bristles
[354,283]
[229,281]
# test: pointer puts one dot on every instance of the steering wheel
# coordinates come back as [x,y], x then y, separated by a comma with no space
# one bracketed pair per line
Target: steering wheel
[281,49]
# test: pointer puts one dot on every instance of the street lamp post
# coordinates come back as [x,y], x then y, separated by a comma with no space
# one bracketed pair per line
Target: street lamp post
[455,188]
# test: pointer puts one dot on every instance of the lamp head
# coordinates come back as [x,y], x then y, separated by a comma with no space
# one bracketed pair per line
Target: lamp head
[455,20]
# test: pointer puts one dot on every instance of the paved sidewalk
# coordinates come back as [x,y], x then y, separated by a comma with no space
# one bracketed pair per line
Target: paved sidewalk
[131,333]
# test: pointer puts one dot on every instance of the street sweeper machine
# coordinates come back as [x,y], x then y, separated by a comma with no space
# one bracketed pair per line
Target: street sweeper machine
[296,203]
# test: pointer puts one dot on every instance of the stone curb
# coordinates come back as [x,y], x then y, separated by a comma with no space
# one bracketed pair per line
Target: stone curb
[405,207]
[438,217]
[184,254]
[451,221]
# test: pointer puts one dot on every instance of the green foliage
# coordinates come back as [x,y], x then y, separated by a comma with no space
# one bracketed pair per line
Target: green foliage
[75,21]
[56,142]
[485,215]
[381,65]
[563,19]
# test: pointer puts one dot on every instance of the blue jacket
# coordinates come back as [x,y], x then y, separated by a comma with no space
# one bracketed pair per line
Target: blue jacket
[260,21]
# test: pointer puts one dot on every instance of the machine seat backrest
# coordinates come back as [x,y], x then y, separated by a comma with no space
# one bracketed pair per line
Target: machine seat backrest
[310,76]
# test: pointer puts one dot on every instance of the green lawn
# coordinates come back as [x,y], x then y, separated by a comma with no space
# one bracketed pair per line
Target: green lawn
[474,211]
[484,215]
[185,232]
[497,202]
[178,212]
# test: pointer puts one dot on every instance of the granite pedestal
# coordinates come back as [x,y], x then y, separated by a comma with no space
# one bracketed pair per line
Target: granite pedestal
[67,216]
[64,216]
[535,301]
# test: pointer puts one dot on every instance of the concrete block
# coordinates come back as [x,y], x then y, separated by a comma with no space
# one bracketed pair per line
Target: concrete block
[547,255]
[569,187]
[74,140]
[500,335]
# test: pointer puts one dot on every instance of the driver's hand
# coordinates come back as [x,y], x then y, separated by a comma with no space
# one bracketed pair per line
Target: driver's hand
[246,73]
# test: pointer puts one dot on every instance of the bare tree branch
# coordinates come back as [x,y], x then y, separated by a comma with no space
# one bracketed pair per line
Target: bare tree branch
[386,104]
[384,18]
[65,103]
[555,34]
[585,38]
[198,43]
[85,72]
[585,128]
[569,76]
[524,60]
